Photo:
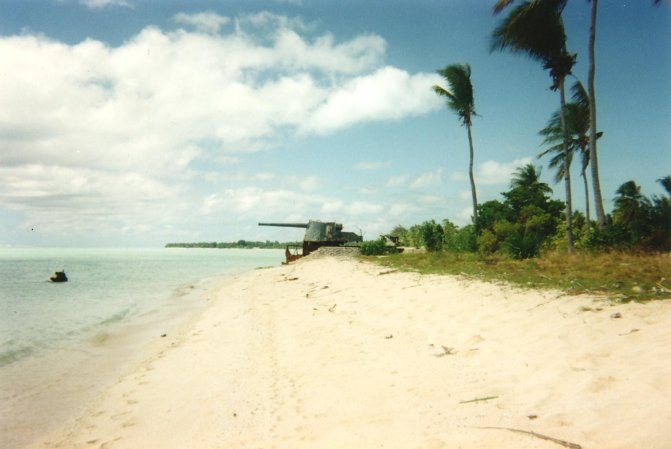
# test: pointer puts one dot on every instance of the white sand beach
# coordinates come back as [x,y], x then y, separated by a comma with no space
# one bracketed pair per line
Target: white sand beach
[337,353]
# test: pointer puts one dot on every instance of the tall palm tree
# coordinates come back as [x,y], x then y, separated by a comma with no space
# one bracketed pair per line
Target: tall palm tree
[593,134]
[535,28]
[578,127]
[459,95]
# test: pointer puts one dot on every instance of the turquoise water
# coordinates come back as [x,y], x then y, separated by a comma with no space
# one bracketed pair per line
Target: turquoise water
[62,345]
[106,287]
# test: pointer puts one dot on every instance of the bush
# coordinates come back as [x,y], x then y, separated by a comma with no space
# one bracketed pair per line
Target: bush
[432,235]
[373,247]
[487,243]
[459,240]
[611,236]
[523,246]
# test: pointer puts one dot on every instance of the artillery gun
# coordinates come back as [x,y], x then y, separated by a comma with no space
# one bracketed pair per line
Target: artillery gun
[317,234]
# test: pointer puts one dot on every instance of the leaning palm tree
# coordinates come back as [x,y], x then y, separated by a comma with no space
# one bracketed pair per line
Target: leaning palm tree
[536,29]
[578,127]
[459,95]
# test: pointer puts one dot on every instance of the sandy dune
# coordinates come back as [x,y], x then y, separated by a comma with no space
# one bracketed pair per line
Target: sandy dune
[335,353]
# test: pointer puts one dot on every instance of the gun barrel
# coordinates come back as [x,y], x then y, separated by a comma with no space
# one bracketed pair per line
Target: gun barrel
[286,225]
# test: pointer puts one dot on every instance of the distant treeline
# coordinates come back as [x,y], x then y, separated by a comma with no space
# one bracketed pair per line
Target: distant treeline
[239,244]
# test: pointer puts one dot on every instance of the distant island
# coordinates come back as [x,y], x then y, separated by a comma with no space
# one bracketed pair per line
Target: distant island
[245,244]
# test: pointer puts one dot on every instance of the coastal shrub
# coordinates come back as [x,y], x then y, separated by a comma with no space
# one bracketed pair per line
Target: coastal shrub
[523,246]
[459,240]
[403,235]
[432,235]
[487,243]
[373,247]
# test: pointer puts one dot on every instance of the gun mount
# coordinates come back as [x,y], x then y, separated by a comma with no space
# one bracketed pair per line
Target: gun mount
[317,234]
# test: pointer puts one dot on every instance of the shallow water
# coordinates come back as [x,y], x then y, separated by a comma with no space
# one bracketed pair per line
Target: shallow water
[61,343]
[105,286]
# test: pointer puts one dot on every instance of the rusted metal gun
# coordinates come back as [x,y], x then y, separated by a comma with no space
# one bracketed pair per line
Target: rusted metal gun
[317,234]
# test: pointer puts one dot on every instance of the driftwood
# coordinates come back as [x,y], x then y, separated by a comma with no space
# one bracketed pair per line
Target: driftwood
[538,435]
[488,398]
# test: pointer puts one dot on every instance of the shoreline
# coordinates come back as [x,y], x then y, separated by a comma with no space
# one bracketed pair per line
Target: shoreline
[52,388]
[330,352]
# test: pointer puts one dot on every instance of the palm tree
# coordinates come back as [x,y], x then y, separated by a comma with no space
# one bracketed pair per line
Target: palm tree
[578,127]
[535,28]
[459,95]
[628,204]
[593,134]
[526,189]
[666,183]
[528,179]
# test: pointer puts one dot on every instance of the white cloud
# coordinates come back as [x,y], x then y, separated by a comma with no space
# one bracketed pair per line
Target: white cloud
[495,173]
[387,94]
[458,176]
[207,22]
[364,208]
[89,124]
[465,195]
[98,4]
[430,179]
[397,181]
[332,208]
[464,216]
[67,200]
[264,176]
[307,184]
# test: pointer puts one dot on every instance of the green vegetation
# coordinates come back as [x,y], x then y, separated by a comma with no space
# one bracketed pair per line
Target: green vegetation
[521,240]
[528,238]
[618,275]
[536,29]
[373,247]
[245,244]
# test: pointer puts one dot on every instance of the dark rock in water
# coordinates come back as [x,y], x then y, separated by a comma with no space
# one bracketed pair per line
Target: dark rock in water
[59,276]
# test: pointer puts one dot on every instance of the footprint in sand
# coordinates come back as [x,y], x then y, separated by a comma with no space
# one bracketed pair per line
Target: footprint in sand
[602,384]
[129,423]
[119,415]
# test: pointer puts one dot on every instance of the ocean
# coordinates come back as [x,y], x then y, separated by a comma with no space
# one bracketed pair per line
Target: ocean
[60,343]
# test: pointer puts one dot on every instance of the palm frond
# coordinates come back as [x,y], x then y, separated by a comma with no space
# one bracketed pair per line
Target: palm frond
[535,28]
[459,93]
[501,5]
[666,183]
[440,90]
[579,96]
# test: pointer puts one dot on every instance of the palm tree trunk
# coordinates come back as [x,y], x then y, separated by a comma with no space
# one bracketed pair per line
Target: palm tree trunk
[586,184]
[567,171]
[470,175]
[598,200]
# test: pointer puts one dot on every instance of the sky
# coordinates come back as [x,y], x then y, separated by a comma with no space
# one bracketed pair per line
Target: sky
[141,122]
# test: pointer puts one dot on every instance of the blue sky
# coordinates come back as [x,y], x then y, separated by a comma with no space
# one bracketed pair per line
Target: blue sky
[139,122]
